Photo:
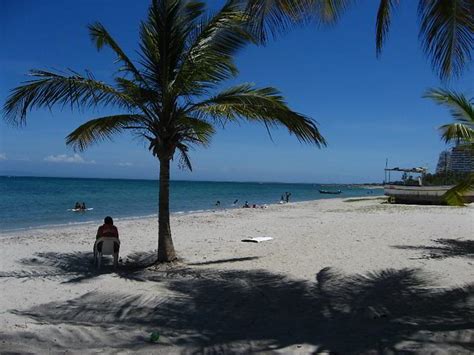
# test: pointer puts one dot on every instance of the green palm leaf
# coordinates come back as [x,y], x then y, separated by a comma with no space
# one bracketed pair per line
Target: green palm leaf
[101,37]
[461,108]
[211,47]
[49,89]
[272,17]
[456,132]
[446,32]
[461,131]
[382,26]
[264,105]
[455,195]
[103,128]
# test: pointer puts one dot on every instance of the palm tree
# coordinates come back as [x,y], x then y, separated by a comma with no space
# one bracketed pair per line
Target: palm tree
[461,131]
[446,26]
[169,95]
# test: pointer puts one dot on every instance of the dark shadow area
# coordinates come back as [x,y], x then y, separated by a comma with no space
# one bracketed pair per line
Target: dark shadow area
[445,248]
[221,261]
[77,266]
[218,311]
[141,259]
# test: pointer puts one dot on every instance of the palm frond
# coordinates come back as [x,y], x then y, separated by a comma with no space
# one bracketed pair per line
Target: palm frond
[446,33]
[49,89]
[456,132]
[268,18]
[103,128]
[101,37]
[455,195]
[264,105]
[382,25]
[195,130]
[142,96]
[461,108]
[184,159]
[210,50]
[163,38]
[330,11]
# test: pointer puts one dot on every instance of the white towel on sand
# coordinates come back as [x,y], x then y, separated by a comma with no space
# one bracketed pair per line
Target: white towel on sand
[257,239]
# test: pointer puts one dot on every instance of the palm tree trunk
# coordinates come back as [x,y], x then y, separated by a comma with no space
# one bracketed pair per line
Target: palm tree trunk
[166,250]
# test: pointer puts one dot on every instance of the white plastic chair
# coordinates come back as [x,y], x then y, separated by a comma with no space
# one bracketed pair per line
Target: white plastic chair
[107,249]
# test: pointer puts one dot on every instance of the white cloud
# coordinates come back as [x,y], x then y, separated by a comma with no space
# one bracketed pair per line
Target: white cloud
[3,156]
[125,164]
[64,158]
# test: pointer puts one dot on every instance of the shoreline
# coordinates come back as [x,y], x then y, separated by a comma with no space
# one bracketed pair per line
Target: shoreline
[155,216]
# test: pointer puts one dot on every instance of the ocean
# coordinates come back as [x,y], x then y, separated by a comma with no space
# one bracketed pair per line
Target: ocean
[30,202]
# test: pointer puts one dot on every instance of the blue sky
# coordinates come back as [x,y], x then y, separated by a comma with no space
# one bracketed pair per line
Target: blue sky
[368,109]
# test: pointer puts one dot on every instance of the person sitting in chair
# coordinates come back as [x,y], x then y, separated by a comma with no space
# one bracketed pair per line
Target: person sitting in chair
[108,230]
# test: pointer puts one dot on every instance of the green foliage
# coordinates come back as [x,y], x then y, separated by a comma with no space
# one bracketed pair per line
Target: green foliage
[462,109]
[446,26]
[444,178]
[454,196]
[268,18]
[446,33]
[382,25]
[461,131]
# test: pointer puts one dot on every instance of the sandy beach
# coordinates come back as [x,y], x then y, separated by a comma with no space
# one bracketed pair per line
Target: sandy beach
[338,276]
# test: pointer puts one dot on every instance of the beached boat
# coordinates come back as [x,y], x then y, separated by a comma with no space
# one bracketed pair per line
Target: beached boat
[421,194]
[337,192]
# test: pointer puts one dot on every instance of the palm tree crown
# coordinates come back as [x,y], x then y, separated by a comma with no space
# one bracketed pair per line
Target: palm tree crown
[169,96]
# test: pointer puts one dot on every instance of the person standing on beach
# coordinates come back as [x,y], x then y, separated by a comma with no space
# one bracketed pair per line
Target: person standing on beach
[287,196]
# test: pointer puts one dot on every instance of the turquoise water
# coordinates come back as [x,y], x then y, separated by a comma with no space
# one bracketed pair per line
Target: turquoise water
[28,202]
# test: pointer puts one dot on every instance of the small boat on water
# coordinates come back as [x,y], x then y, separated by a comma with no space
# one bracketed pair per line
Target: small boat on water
[336,192]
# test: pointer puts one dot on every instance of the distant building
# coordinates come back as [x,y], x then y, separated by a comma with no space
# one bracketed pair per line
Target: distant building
[459,159]
[443,162]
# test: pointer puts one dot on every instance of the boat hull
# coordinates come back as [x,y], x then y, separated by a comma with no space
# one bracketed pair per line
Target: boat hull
[421,194]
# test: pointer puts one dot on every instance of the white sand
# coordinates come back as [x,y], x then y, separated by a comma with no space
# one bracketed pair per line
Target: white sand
[301,292]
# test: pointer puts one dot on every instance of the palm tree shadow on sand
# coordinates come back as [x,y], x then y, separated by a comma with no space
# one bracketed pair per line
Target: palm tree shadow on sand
[444,248]
[76,267]
[234,311]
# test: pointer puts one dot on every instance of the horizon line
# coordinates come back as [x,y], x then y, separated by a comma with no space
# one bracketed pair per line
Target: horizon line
[182,180]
